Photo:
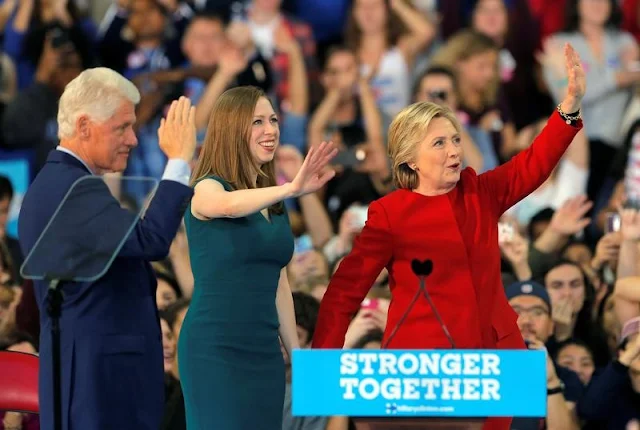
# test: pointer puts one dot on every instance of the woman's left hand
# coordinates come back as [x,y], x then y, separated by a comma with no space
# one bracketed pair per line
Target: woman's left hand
[577,84]
[313,173]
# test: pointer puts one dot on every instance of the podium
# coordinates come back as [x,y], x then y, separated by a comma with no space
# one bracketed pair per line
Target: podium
[419,389]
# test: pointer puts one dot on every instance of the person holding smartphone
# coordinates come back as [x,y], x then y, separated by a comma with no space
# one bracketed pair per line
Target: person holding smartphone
[349,117]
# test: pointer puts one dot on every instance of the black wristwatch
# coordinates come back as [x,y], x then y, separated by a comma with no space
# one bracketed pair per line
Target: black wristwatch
[555,390]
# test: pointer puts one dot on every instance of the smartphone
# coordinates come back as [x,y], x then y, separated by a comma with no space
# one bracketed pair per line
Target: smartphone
[302,244]
[349,157]
[369,304]
[505,232]
[59,38]
[361,214]
[613,223]
[632,203]
[352,135]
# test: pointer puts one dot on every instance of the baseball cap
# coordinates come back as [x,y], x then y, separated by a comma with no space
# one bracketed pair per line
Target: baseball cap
[630,328]
[528,288]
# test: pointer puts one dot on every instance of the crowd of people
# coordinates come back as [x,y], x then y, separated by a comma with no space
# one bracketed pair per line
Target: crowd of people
[341,71]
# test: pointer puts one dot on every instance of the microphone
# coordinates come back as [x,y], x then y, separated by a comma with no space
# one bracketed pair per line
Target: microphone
[422,269]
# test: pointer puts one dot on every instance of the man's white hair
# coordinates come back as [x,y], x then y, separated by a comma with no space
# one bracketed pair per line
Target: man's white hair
[97,93]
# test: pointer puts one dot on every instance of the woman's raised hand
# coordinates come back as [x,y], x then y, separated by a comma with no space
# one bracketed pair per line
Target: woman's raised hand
[577,81]
[314,172]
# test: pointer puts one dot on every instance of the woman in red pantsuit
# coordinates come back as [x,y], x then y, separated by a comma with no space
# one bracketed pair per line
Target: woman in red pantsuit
[449,215]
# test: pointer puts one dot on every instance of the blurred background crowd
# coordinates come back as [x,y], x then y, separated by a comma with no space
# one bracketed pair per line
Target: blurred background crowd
[340,70]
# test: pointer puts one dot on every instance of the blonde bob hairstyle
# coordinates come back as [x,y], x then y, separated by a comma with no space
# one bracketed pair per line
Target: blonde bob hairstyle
[406,133]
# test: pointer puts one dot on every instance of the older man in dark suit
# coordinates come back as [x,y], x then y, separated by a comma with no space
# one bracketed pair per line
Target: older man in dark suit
[111,348]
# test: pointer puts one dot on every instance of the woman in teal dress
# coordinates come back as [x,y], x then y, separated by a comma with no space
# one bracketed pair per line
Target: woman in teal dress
[230,362]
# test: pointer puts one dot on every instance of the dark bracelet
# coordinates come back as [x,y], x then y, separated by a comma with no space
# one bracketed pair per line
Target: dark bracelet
[569,118]
[556,390]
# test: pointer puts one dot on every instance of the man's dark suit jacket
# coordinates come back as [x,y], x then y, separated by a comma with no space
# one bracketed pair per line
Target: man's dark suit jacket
[111,346]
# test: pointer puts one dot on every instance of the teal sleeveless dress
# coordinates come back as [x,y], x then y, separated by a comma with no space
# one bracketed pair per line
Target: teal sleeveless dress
[230,362]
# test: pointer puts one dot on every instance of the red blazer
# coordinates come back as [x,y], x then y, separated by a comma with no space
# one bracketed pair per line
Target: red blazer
[458,232]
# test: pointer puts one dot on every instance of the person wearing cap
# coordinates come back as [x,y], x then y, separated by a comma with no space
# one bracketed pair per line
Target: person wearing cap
[613,396]
[532,303]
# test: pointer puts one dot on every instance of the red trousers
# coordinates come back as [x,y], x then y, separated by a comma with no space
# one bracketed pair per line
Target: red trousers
[512,341]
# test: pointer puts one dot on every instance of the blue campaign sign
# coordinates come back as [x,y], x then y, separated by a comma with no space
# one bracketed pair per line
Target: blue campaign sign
[17,170]
[436,383]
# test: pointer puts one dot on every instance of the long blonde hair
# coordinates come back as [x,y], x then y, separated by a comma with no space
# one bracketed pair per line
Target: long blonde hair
[406,132]
[225,152]
[462,46]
